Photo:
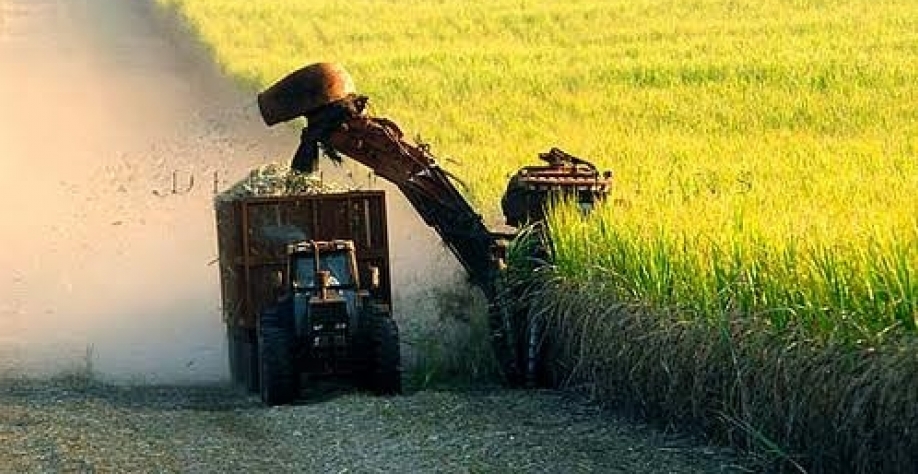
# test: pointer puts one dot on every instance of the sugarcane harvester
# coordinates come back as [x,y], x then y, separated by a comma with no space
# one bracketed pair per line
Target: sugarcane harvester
[339,125]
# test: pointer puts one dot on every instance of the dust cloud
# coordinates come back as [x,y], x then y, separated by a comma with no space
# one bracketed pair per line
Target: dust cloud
[114,133]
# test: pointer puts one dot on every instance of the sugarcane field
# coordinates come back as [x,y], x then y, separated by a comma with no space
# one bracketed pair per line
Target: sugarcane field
[311,236]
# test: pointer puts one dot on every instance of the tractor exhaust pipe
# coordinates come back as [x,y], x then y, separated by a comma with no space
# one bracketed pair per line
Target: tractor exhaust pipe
[323,277]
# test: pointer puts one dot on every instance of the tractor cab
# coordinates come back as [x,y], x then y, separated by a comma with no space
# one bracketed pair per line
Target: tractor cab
[327,298]
[324,272]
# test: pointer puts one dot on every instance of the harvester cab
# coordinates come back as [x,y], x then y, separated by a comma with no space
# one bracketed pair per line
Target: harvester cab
[533,189]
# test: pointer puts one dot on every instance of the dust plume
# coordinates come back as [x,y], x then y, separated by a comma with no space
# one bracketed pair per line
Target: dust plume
[113,136]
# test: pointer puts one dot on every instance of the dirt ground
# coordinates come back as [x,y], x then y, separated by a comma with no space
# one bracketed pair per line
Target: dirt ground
[69,426]
[114,133]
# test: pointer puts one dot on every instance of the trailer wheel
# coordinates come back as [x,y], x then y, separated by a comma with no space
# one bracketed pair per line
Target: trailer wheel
[385,364]
[233,356]
[242,357]
[276,355]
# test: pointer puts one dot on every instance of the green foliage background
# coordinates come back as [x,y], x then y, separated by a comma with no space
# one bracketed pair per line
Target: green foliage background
[766,147]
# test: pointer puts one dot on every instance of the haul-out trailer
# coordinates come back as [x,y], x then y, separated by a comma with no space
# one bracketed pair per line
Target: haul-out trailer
[283,331]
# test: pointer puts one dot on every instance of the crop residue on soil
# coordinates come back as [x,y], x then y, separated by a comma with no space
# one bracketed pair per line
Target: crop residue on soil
[57,426]
[110,140]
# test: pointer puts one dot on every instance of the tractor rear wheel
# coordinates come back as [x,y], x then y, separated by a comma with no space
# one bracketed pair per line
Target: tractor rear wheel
[382,368]
[277,355]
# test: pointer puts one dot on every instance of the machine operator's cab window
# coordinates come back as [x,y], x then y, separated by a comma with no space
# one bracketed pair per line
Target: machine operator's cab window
[341,282]
[336,263]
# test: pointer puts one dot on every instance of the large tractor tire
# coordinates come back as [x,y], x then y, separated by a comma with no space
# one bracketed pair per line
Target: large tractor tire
[381,371]
[277,355]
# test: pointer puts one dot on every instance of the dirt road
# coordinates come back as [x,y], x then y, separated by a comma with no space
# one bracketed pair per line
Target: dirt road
[106,250]
[68,427]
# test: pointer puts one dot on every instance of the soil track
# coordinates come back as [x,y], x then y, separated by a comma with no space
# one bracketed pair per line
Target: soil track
[69,427]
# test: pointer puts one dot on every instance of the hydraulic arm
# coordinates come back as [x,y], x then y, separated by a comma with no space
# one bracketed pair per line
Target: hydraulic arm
[379,144]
